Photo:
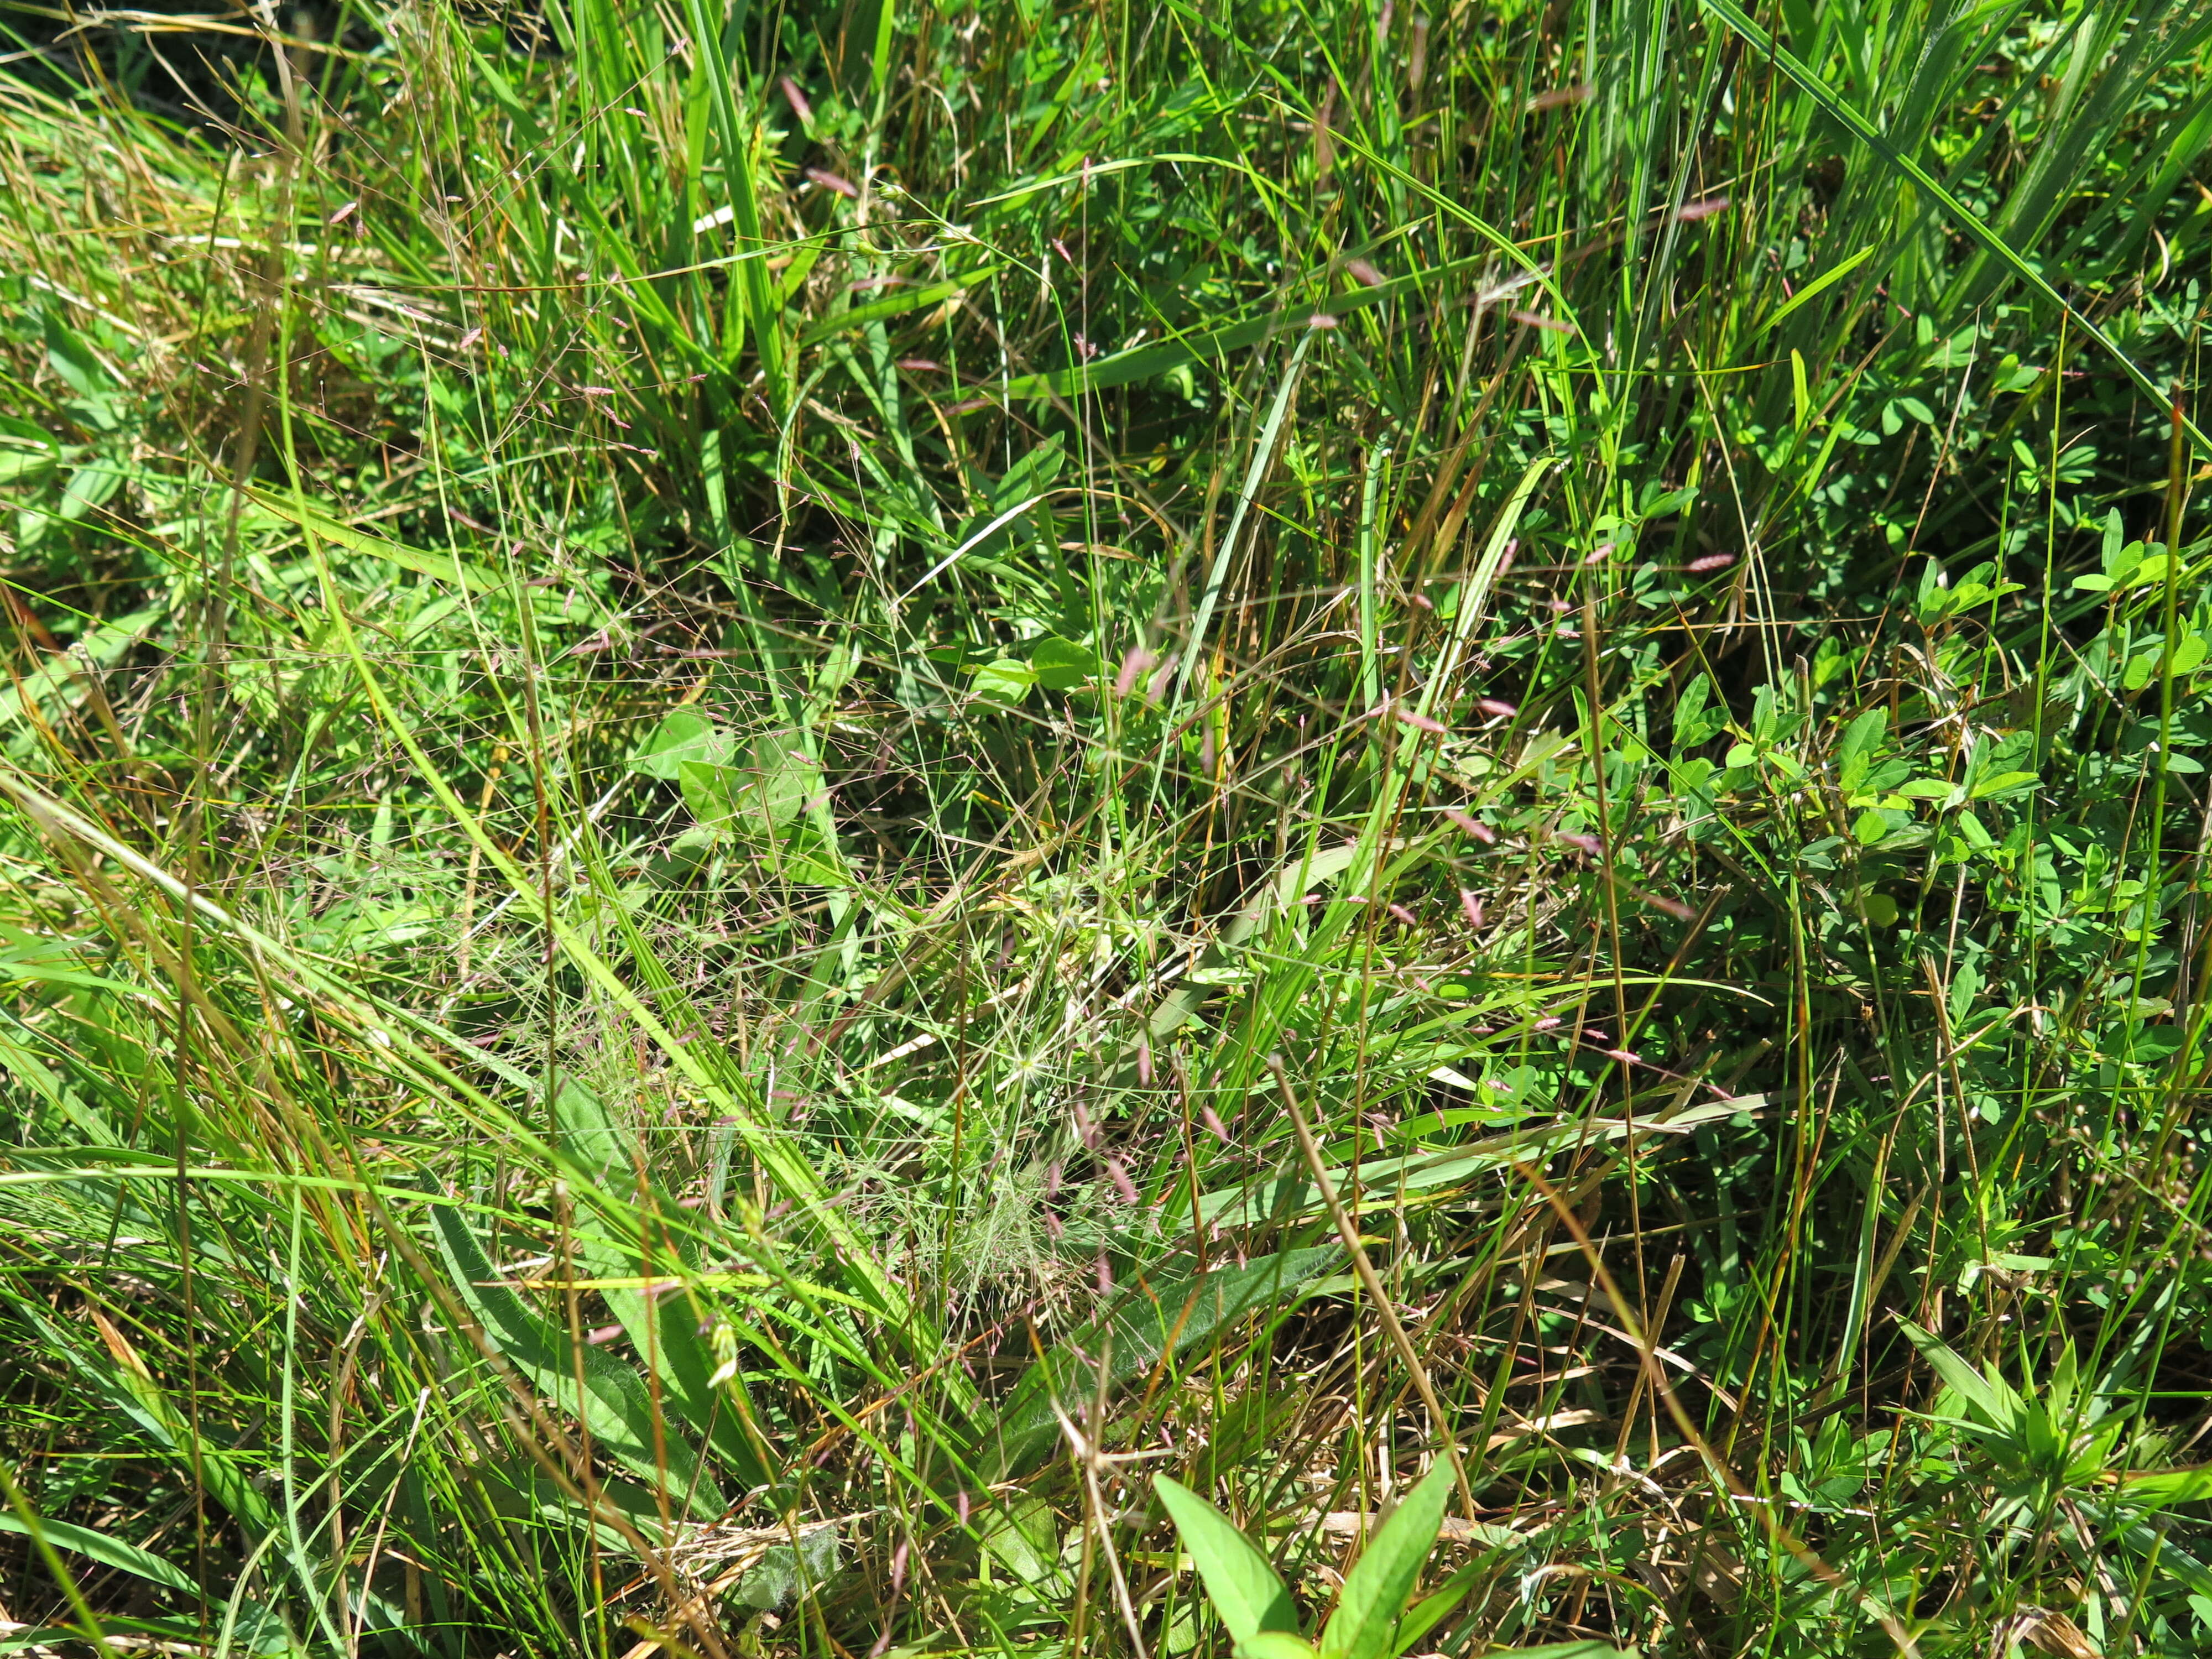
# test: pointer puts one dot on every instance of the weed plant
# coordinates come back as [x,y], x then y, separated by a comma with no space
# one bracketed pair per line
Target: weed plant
[786,787]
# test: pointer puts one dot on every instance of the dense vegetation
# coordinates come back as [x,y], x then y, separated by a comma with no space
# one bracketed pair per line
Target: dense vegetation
[787,787]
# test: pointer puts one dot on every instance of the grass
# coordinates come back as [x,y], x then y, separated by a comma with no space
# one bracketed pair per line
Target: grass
[788,787]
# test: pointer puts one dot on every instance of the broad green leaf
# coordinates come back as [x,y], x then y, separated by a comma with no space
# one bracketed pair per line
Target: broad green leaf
[75,362]
[1239,1581]
[1021,1537]
[1005,680]
[1861,738]
[708,792]
[114,1553]
[898,304]
[664,1327]
[1275,1645]
[777,781]
[1060,666]
[324,526]
[615,1404]
[2003,783]
[1161,1318]
[1375,1590]
[1691,726]
[684,735]
[1991,1401]
[1430,1611]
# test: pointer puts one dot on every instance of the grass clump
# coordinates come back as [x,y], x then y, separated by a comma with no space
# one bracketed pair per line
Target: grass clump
[726,723]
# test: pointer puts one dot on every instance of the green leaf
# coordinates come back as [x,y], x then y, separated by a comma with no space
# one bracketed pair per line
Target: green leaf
[1430,1611]
[898,304]
[1275,1645]
[1161,1317]
[1022,1538]
[1375,1590]
[664,1326]
[108,1552]
[1861,738]
[1821,284]
[322,526]
[1239,1581]
[615,1403]
[707,793]
[2004,783]
[1061,665]
[1692,724]
[75,362]
[685,735]
[1005,680]
[1991,1401]
[774,785]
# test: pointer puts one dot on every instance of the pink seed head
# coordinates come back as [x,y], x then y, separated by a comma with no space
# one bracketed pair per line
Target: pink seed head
[1559,96]
[1132,667]
[1122,1184]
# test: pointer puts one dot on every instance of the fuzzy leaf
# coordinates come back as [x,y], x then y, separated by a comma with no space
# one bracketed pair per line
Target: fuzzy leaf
[1375,1590]
[1242,1585]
